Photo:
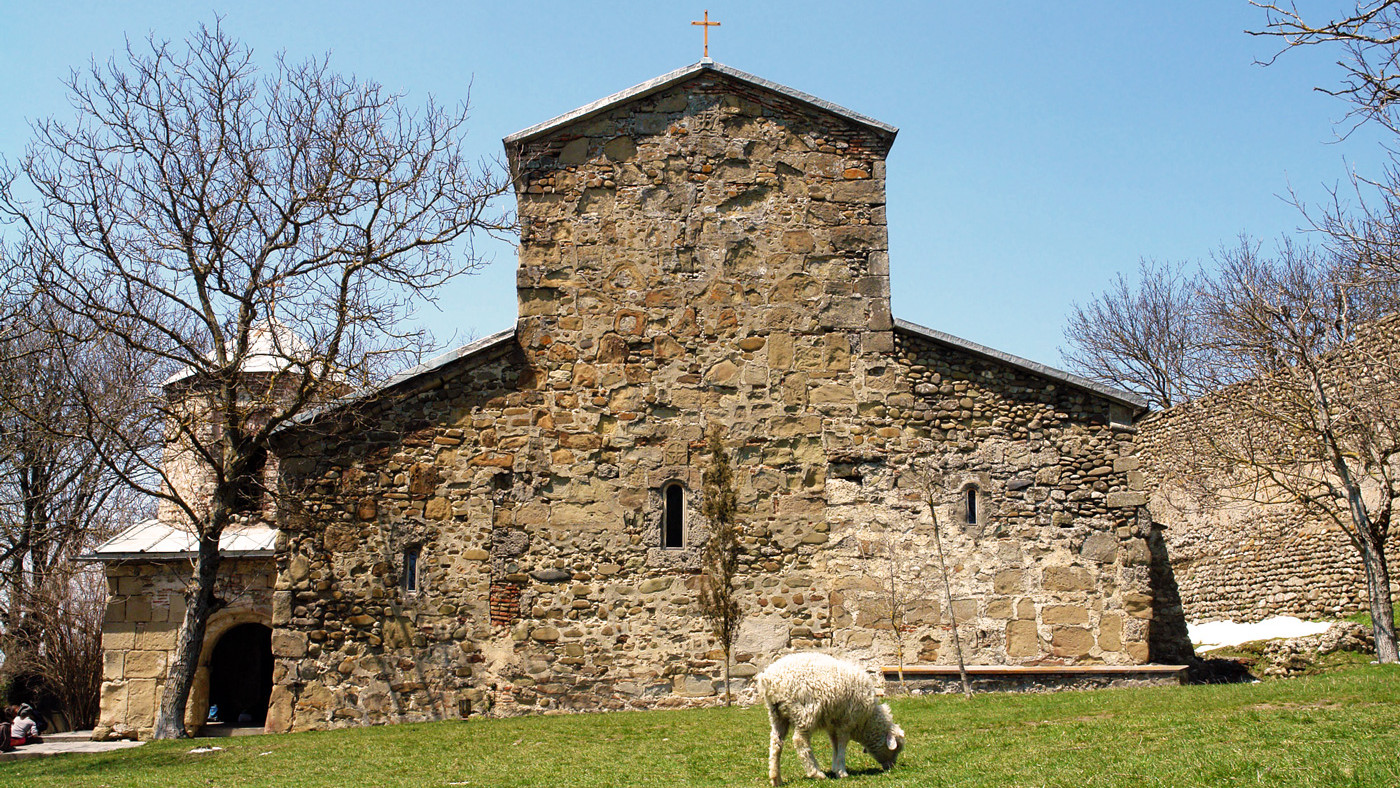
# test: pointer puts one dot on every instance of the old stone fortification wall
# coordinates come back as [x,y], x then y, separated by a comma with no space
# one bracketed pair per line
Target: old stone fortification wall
[1247,552]
[144,609]
[1237,559]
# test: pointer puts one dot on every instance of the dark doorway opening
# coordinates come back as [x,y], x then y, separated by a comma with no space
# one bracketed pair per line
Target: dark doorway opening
[240,676]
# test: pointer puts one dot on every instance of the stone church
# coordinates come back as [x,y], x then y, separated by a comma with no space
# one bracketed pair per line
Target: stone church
[515,526]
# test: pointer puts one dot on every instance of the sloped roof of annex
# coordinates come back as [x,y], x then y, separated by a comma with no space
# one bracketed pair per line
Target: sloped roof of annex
[476,351]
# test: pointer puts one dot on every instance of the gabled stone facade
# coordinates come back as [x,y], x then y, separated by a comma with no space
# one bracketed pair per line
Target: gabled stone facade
[706,249]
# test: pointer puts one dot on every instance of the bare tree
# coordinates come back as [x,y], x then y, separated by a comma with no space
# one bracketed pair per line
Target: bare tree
[900,579]
[57,499]
[1370,37]
[1140,336]
[62,642]
[897,596]
[1363,227]
[191,196]
[1314,420]
[719,591]
[931,483]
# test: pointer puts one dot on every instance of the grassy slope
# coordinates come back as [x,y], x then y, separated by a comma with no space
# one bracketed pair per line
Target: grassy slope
[1337,729]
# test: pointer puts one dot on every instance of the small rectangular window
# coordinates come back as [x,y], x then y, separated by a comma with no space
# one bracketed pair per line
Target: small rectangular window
[673,517]
[972,506]
[410,570]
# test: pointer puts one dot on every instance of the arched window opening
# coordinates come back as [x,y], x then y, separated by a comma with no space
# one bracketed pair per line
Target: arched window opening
[970,505]
[673,517]
[410,570]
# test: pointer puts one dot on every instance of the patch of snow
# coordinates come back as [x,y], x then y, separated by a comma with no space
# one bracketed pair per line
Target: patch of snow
[202,750]
[1218,634]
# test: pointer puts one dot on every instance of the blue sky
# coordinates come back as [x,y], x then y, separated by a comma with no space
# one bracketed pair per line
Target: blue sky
[1043,147]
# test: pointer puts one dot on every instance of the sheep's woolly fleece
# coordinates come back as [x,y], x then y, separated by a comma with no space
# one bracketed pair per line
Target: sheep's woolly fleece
[816,691]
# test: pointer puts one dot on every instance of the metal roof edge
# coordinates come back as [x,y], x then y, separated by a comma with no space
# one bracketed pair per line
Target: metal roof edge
[108,558]
[1108,392]
[673,77]
[437,362]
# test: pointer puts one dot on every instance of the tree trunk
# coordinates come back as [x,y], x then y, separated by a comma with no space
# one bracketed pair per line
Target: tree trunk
[1382,611]
[199,605]
[952,617]
[728,699]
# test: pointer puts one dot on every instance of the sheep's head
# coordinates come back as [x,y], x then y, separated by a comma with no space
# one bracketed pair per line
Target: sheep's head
[884,739]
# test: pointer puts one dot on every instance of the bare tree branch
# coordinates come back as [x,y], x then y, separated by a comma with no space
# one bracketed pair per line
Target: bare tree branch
[1141,337]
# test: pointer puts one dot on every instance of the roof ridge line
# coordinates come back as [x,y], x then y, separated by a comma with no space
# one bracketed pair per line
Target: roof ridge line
[1044,370]
[674,77]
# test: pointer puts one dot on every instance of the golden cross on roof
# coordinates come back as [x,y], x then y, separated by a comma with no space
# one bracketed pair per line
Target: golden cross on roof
[707,24]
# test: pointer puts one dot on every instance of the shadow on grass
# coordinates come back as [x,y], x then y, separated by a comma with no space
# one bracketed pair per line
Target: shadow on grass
[868,771]
[1218,671]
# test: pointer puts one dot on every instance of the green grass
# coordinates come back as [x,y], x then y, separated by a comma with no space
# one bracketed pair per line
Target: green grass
[1340,728]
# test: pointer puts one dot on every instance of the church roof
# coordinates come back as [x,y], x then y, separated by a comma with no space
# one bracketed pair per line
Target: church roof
[486,344]
[153,539]
[468,350]
[272,347]
[1138,404]
[680,75]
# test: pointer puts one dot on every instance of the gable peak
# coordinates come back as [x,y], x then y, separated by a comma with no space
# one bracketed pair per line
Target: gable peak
[681,75]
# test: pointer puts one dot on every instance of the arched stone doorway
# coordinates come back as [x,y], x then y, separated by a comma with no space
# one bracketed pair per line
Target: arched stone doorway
[240,675]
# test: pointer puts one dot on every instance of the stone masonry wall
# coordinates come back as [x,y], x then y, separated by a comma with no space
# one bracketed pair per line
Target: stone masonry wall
[192,480]
[1056,569]
[713,254]
[1239,560]
[144,609]
[604,618]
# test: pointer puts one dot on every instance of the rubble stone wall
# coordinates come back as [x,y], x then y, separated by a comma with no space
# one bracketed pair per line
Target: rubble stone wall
[1238,559]
[1056,568]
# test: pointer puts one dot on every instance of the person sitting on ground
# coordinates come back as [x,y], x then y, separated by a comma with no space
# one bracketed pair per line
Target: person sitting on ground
[6,717]
[25,730]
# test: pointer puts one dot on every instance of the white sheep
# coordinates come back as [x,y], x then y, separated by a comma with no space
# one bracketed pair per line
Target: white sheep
[811,691]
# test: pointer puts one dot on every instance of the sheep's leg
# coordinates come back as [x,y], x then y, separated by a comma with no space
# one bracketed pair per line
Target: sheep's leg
[838,753]
[780,726]
[803,745]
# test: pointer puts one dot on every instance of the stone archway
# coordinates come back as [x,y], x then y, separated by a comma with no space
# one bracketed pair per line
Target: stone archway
[220,624]
[240,675]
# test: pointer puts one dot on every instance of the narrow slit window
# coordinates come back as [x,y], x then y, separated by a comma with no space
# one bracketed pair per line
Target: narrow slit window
[410,570]
[673,518]
[971,506]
